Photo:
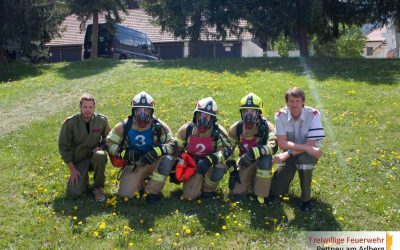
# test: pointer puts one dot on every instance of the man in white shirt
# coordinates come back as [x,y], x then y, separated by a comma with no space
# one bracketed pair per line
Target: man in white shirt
[299,132]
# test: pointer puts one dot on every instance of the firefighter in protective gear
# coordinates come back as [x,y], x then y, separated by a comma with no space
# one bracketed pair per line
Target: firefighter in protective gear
[207,143]
[255,138]
[147,145]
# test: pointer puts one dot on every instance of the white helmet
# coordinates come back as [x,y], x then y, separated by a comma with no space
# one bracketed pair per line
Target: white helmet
[208,106]
[142,100]
[142,108]
[205,114]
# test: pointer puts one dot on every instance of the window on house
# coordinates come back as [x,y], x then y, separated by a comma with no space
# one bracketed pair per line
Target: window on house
[370,51]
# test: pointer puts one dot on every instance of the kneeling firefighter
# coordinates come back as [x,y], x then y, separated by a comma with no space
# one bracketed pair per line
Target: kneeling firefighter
[255,138]
[204,147]
[142,146]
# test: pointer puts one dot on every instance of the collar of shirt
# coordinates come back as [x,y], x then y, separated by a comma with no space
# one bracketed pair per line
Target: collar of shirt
[302,115]
[81,116]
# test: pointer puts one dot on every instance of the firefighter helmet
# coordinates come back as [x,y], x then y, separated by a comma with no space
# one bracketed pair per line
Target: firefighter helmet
[142,108]
[250,109]
[205,114]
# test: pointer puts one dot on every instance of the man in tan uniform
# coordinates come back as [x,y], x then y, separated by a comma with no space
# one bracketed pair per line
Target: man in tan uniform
[81,144]
[256,141]
[299,132]
[147,145]
[207,143]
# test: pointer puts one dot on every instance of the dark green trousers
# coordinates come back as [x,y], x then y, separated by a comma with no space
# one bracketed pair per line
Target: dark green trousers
[283,176]
[98,163]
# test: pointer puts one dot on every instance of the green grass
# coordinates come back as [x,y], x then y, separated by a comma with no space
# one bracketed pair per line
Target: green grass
[355,184]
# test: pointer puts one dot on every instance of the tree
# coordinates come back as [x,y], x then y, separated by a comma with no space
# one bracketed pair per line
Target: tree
[283,44]
[26,25]
[188,19]
[296,19]
[383,11]
[87,9]
[350,44]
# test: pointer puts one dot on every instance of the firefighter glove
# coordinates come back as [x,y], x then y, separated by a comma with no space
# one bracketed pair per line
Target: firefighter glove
[205,163]
[128,154]
[154,154]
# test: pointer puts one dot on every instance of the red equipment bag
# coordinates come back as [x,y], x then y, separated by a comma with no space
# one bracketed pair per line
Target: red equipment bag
[185,168]
[117,162]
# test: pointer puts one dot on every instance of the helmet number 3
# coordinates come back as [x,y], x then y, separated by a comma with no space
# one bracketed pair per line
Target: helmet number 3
[140,140]
[201,147]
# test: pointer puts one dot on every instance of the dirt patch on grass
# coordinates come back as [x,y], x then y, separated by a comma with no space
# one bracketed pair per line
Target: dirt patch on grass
[37,107]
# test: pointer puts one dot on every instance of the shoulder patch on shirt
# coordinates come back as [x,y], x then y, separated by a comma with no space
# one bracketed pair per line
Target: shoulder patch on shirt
[105,117]
[67,119]
[315,112]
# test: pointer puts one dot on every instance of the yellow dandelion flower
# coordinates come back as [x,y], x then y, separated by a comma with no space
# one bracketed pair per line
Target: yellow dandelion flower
[285,198]
[235,222]
[141,221]
[114,213]
[159,240]
[177,234]
[150,230]
[95,234]
[188,231]
[80,223]
[126,199]
[340,218]
[102,225]
[212,244]
[233,204]
[74,218]
[130,244]
[199,201]
[75,207]
[224,227]
[275,220]
[174,244]
[217,235]
[184,227]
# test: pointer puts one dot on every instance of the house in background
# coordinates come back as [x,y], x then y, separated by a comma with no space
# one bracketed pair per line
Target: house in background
[69,47]
[382,43]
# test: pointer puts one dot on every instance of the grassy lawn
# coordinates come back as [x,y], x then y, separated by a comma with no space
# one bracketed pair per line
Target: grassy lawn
[355,187]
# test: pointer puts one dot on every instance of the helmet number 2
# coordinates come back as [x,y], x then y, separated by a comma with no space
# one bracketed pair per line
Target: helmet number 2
[201,147]
[140,140]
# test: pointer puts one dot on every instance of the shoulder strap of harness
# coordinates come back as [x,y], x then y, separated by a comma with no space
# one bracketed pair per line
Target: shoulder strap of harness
[127,126]
[157,127]
[189,130]
[239,129]
[263,131]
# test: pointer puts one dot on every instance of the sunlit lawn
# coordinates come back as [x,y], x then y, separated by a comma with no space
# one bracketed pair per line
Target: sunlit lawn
[355,185]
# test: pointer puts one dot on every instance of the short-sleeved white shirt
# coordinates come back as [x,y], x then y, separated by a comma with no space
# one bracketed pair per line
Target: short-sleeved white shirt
[307,127]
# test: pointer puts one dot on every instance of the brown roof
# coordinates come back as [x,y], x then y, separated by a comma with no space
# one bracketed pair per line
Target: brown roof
[136,19]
